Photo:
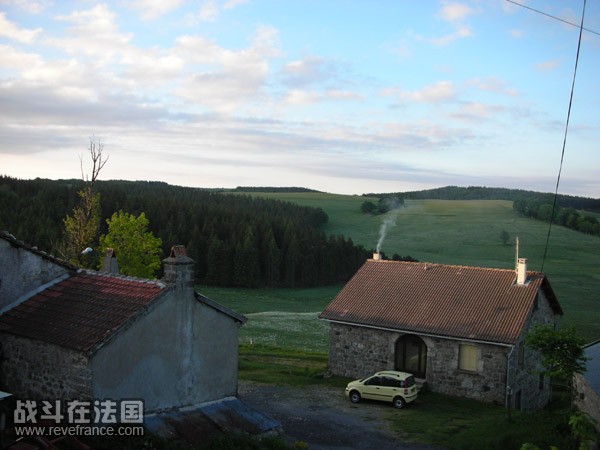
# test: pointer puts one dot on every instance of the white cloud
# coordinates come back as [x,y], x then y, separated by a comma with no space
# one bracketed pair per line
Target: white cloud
[546,66]
[152,9]
[10,30]
[223,79]
[492,84]
[94,33]
[452,12]
[32,7]
[516,33]
[460,33]
[434,93]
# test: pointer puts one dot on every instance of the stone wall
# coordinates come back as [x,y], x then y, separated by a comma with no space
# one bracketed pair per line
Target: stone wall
[36,370]
[486,383]
[587,400]
[358,351]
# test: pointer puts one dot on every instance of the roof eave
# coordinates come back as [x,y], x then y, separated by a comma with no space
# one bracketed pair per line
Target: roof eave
[419,333]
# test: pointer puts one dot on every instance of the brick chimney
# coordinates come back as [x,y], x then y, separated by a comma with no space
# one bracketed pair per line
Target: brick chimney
[179,268]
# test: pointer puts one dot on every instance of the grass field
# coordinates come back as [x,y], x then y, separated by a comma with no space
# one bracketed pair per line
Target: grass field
[467,232]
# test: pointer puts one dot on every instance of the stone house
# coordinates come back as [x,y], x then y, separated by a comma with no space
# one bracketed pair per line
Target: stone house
[68,333]
[587,385]
[461,330]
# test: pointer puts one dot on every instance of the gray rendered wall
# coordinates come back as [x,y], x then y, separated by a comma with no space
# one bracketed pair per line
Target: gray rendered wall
[22,271]
[181,353]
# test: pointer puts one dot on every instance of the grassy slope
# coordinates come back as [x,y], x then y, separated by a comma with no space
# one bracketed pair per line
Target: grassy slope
[467,232]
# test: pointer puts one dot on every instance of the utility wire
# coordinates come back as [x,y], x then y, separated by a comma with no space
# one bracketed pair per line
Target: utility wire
[553,17]
[562,156]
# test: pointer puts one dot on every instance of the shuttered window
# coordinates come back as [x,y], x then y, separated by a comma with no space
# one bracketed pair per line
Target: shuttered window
[467,357]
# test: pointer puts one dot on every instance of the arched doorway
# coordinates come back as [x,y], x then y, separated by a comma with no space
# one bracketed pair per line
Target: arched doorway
[411,355]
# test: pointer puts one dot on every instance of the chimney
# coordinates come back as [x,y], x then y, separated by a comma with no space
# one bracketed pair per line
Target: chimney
[109,263]
[179,268]
[521,271]
[376,256]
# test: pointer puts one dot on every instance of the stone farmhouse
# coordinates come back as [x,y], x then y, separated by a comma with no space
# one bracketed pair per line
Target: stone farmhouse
[461,330]
[68,333]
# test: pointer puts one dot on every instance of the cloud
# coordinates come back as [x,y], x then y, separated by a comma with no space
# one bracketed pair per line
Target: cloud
[460,33]
[493,84]
[309,71]
[153,9]
[222,79]
[32,7]
[10,30]
[547,66]
[93,33]
[453,12]
[516,33]
[433,93]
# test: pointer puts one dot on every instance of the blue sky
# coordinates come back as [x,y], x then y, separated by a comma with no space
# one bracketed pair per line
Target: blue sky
[341,96]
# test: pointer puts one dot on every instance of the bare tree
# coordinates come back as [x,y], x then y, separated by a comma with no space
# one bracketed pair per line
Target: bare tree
[82,226]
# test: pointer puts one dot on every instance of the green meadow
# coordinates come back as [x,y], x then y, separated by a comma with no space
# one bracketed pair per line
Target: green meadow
[461,232]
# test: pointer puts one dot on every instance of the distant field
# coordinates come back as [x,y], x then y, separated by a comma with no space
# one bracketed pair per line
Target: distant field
[467,232]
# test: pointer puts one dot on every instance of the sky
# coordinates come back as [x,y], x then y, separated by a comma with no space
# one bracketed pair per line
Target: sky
[347,97]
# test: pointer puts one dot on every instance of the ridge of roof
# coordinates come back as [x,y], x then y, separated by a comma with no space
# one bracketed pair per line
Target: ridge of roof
[12,240]
[458,266]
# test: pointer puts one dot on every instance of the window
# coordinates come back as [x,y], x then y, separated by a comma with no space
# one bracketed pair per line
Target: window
[467,357]
[541,382]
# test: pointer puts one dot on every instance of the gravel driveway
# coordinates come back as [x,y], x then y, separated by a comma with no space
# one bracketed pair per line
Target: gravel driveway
[324,419]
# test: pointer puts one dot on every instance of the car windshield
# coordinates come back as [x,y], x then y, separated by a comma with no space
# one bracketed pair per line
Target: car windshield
[410,381]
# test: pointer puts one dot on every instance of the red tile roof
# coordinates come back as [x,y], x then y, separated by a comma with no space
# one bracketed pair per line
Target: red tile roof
[81,311]
[450,301]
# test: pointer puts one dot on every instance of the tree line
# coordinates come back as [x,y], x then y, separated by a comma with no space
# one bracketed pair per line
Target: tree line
[492,193]
[567,217]
[235,239]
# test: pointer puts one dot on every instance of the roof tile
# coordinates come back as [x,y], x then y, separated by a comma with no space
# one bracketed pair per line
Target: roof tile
[451,301]
[81,311]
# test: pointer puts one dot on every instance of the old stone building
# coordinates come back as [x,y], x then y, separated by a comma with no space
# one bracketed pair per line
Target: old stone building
[67,333]
[459,329]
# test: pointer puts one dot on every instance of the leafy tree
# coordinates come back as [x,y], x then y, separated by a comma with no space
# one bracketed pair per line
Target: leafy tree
[137,250]
[81,227]
[368,207]
[561,351]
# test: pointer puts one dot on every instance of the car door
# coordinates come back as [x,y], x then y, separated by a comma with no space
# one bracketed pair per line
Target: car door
[389,388]
[375,389]
[372,389]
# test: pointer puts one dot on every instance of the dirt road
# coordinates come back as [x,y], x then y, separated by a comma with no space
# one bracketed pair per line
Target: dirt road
[324,419]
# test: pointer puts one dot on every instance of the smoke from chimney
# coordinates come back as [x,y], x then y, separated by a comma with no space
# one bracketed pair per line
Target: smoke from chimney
[388,222]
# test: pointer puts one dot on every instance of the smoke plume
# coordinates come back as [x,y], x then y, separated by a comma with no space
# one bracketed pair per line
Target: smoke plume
[388,222]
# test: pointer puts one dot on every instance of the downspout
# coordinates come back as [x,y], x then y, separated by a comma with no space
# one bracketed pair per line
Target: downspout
[507,388]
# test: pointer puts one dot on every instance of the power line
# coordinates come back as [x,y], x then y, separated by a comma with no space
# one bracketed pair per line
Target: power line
[553,17]
[562,156]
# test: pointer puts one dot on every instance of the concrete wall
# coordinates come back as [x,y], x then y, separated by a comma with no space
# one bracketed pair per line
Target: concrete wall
[22,271]
[181,353]
[36,370]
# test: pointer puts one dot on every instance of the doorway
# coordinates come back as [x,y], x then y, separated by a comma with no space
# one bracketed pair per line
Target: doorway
[411,355]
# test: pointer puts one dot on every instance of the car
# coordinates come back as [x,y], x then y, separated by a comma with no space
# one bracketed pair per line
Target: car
[399,388]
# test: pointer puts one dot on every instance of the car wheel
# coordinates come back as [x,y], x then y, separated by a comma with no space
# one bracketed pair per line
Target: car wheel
[399,402]
[354,397]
